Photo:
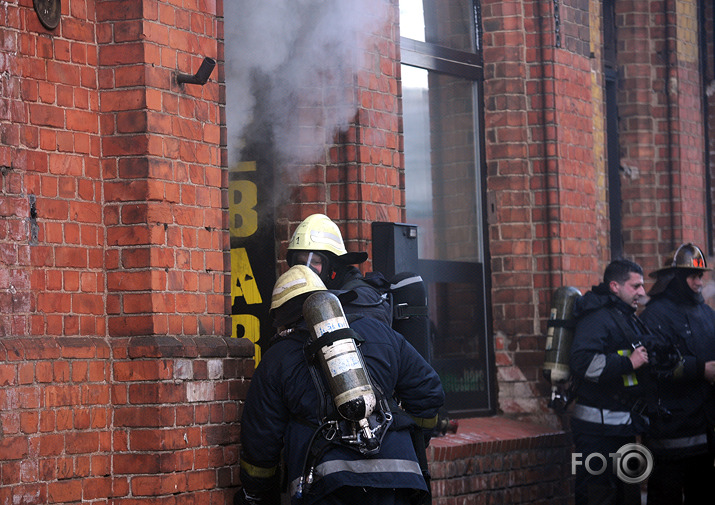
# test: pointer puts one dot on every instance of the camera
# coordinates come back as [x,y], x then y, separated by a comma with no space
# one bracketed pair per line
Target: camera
[663,357]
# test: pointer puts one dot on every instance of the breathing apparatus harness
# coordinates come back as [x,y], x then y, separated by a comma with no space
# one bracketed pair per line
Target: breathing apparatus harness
[353,410]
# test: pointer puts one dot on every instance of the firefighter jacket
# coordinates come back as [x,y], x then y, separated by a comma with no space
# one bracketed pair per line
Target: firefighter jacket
[610,394]
[371,298]
[282,412]
[688,324]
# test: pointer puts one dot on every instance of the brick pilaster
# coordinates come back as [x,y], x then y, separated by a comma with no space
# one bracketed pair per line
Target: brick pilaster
[162,170]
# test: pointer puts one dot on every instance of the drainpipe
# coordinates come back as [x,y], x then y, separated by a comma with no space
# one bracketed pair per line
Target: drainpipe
[703,52]
[552,198]
[671,89]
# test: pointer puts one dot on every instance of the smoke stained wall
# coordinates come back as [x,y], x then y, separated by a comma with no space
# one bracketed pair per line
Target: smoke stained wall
[301,57]
[290,71]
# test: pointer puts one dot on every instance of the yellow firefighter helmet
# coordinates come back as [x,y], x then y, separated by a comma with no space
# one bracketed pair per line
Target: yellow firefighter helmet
[319,233]
[297,280]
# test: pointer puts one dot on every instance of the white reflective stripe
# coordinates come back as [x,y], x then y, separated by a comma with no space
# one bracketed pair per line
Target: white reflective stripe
[678,443]
[361,466]
[406,282]
[325,237]
[601,416]
[595,368]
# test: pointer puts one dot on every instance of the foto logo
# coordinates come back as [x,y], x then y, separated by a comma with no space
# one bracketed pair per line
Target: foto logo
[632,463]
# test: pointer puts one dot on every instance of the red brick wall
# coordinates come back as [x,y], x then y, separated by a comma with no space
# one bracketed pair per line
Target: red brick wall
[661,128]
[545,164]
[133,420]
[113,172]
[113,225]
[161,166]
[53,236]
[496,460]
[538,127]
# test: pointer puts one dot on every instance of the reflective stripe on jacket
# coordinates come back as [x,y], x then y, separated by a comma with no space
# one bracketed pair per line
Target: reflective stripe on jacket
[281,415]
[606,330]
[688,398]
[601,416]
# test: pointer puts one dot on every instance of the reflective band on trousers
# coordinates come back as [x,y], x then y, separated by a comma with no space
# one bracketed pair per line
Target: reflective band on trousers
[601,416]
[678,443]
[423,422]
[362,466]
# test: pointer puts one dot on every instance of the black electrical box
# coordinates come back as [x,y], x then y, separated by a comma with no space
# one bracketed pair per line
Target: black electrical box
[394,248]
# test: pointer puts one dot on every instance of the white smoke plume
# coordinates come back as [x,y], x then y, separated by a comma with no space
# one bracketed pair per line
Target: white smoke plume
[293,63]
[708,290]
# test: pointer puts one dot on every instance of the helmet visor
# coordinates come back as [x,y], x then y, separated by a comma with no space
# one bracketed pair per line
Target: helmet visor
[315,261]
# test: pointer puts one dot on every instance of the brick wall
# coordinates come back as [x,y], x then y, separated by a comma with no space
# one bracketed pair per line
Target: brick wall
[539,141]
[161,167]
[661,128]
[546,166]
[709,81]
[132,420]
[496,460]
[113,225]
[52,237]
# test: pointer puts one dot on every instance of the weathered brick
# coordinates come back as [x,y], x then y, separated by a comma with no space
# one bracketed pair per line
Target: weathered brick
[64,491]
[142,370]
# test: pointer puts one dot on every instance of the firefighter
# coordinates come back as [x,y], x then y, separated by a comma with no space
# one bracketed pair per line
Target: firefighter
[678,439]
[608,363]
[290,412]
[318,243]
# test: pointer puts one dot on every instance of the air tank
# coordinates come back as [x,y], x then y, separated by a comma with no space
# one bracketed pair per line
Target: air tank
[340,358]
[559,335]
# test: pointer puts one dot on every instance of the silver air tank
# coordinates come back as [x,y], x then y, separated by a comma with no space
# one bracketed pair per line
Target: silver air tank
[340,360]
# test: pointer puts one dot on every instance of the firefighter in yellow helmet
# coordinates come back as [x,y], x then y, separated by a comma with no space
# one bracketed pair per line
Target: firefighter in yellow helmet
[289,411]
[318,243]
[681,438]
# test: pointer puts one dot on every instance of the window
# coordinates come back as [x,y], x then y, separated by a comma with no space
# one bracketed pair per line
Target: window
[610,70]
[444,188]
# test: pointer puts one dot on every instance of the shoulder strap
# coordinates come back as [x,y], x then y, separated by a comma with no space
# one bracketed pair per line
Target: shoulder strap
[330,338]
[325,407]
[621,321]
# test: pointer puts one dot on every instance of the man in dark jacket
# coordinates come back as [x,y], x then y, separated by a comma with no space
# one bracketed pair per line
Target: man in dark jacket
[287,414]
[607,362]
[683,460]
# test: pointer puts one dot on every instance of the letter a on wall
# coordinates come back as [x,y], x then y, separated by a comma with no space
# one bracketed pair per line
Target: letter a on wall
[243,285]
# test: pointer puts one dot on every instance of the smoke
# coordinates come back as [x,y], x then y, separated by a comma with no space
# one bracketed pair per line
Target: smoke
[290,72]
[708,290]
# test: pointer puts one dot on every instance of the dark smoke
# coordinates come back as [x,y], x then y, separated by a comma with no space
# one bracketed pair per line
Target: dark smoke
[304,56]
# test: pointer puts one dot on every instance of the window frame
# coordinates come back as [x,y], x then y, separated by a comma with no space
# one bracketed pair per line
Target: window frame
[469,66]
